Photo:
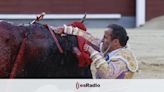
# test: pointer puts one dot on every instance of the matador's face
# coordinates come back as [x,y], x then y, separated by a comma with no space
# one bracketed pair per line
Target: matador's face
[107,39]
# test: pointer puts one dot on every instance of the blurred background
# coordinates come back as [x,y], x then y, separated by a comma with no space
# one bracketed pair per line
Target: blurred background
[129,13]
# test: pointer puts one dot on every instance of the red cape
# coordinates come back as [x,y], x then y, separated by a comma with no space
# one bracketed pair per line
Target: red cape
[84,57]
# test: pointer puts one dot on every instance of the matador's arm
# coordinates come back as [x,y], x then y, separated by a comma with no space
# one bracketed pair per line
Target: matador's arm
[78,32]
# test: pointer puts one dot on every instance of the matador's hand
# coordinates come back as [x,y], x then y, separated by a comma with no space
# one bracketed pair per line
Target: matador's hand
[88,48]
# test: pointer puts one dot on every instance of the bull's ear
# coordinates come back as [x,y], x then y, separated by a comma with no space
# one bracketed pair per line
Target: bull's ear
[84,18]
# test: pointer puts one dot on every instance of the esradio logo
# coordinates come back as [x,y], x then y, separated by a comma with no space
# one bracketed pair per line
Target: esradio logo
[86,85]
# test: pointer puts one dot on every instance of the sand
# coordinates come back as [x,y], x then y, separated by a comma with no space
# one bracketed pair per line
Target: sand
[148,46]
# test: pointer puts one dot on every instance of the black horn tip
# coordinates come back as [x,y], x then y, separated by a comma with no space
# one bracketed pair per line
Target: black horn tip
[84,18]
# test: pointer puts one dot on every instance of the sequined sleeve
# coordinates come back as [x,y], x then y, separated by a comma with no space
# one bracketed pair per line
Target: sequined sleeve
[79,32]
[95,41]
[111,70]
[107,70]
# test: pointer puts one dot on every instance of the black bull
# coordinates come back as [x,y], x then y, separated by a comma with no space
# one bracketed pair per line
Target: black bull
[41,58]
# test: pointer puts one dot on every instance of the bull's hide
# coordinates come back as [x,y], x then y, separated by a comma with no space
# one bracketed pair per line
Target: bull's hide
[41,57]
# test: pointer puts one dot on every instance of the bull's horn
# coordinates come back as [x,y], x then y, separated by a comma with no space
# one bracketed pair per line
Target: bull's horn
[84,18]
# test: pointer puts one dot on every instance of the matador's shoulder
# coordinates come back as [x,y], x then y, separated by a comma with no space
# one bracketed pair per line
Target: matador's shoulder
[128,57]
